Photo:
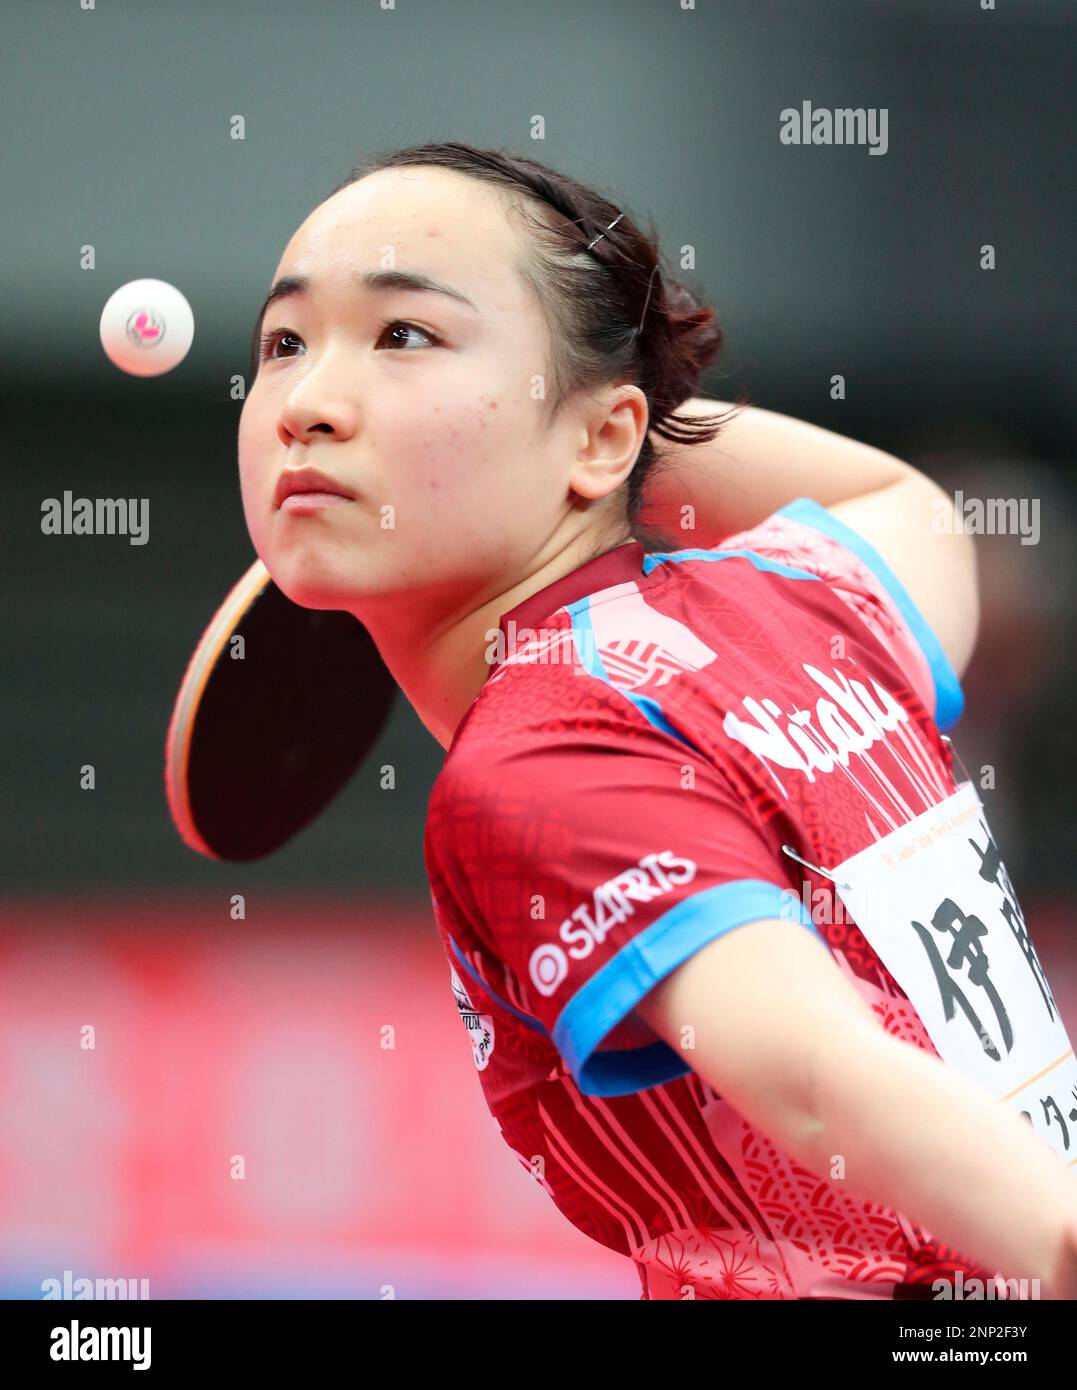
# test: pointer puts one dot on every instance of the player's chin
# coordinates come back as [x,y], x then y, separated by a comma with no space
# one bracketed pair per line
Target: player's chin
[307,577]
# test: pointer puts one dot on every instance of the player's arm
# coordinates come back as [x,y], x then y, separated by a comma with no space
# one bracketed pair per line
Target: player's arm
[778,1031]
[761,461]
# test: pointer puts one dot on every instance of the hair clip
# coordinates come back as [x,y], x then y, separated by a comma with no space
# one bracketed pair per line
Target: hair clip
[639,328]
[647,301]
[608,229]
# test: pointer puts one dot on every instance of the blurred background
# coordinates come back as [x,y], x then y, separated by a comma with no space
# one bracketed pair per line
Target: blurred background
[370,1169]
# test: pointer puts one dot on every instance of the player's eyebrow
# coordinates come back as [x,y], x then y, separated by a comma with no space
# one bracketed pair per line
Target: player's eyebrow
[414,280]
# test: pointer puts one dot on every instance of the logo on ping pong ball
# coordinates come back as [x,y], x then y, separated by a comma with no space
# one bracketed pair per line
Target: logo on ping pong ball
[147,327]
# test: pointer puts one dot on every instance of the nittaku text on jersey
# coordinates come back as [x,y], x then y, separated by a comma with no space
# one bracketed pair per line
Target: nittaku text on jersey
[847,719]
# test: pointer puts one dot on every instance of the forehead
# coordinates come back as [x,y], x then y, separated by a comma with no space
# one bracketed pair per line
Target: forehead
[433,220]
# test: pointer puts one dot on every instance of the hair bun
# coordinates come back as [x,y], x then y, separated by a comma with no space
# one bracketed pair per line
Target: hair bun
[682,337]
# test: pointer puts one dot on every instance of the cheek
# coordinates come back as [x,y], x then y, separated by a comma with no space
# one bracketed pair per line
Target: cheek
[468,452]
[247,445]
[253,485]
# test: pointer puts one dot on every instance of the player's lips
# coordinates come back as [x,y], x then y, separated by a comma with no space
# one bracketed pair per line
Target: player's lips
[309,488]
[308,501]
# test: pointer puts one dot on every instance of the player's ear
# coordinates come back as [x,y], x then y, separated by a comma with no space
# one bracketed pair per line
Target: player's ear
[614,428]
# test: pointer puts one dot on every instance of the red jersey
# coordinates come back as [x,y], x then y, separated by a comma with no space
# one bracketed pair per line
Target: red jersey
[654,729]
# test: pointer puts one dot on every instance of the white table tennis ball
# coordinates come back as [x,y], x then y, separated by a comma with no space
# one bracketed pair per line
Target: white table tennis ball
[147,327]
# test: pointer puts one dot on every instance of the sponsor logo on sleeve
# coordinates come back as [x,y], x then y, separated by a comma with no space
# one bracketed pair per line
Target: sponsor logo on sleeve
[610,904]
[480,1027]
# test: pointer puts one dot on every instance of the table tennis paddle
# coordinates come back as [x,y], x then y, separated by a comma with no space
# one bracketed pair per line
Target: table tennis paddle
[266,731]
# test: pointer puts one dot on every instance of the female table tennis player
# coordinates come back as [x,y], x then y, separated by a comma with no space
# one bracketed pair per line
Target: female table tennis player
[478,375]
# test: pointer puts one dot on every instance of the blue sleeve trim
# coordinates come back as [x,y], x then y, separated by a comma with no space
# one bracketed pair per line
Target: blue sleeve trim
[949,697]
[614,991]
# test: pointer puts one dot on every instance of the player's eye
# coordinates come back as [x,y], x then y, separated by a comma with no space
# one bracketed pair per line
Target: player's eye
[431,338]
[269,340]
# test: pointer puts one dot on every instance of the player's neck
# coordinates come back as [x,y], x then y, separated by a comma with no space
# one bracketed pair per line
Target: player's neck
[441,666]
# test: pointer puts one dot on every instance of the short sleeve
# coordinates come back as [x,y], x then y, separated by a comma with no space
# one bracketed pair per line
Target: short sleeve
[806,536]
[591,869]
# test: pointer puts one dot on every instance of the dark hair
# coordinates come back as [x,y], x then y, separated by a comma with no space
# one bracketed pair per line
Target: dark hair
[612,312]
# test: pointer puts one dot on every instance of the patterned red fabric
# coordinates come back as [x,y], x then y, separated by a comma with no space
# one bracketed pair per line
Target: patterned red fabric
[618,794]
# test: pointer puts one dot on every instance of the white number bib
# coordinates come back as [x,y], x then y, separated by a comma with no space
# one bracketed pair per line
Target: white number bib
[935,902]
